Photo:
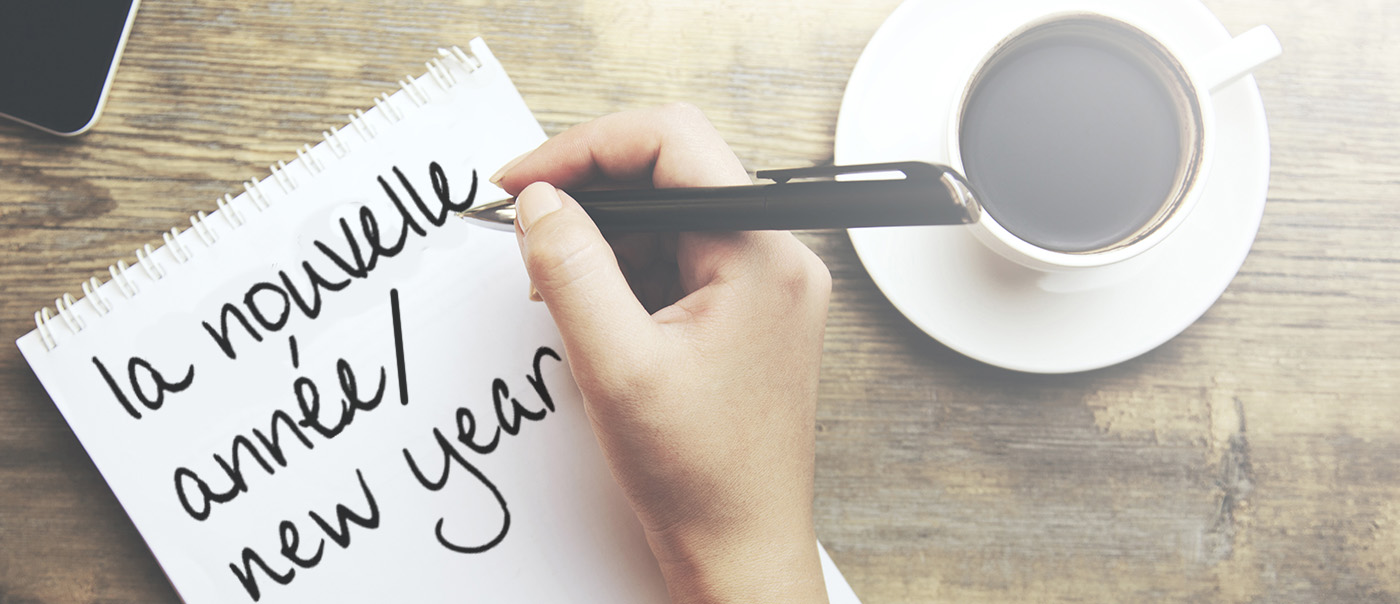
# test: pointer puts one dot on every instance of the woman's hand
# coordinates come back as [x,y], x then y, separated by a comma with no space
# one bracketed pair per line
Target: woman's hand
[697,355]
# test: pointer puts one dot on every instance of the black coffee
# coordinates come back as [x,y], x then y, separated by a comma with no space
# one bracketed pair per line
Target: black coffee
[1072,144]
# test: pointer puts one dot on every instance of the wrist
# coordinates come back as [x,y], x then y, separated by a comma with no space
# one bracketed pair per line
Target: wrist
[759,562]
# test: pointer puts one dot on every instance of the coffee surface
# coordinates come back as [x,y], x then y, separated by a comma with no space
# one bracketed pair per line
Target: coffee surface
[1071,144]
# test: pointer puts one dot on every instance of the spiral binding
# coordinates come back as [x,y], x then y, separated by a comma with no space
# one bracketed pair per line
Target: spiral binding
[309,160]
[414,91]
[230,213]
[100,304]
[336,145]
[467,61]
[439,70]
[177,249]
[124,283]
[361,127]
[390,111]
[282,177]
[153,269]
[64,305]
[255,194]
[440,74]
[200,228]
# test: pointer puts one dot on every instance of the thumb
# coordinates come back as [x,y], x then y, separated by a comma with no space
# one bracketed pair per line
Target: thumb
[576,273]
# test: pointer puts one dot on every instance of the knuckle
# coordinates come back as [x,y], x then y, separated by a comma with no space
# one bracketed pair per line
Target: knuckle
[627,381]
[642,378]
[803,276]
[821,276]
[685,112]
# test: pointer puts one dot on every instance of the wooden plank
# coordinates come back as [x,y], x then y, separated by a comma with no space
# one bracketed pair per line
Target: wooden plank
[1254,458]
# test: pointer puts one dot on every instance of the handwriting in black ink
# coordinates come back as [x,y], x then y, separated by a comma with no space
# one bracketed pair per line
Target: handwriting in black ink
[196,495]
[290,539]
[508,422]
[271,305]
[149,401]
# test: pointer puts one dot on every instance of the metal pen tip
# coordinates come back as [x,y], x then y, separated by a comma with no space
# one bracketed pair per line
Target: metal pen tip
[498,215]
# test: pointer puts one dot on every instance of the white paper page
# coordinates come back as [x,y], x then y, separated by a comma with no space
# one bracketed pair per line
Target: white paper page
[243,447]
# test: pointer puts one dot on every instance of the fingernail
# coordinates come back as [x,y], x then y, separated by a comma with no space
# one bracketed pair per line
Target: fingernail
[536,201]
[535,293]
[496,178]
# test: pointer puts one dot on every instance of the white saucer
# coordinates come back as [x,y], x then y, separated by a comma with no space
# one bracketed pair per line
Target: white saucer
[896,107]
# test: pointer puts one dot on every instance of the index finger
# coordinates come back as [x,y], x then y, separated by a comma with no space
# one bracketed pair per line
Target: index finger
[672,146]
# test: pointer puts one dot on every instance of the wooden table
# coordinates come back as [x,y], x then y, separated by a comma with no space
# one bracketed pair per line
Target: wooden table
[1256,457]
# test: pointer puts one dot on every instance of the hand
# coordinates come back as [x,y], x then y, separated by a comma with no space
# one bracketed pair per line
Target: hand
[697,355]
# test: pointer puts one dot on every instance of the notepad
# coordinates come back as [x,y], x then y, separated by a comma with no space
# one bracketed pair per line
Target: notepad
[329,389]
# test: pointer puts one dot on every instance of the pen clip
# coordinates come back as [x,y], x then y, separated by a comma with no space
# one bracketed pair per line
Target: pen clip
[912,171]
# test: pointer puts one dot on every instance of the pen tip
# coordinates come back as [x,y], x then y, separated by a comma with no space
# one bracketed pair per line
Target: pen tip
[498,215]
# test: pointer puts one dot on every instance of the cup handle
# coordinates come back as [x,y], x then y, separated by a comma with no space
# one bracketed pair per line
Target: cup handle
[1237,58]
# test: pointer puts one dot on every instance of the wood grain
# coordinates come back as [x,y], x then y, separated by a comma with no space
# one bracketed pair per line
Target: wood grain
[1254,458]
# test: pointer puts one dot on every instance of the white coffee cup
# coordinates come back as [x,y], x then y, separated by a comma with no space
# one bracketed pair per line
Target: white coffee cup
[1189,80]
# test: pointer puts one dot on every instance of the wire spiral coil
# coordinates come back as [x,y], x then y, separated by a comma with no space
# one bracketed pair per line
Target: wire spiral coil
[388,110]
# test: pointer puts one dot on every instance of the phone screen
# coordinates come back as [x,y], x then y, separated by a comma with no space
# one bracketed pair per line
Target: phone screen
[56,58]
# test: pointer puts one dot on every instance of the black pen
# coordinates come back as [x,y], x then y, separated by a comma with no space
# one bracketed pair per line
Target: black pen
[800,198]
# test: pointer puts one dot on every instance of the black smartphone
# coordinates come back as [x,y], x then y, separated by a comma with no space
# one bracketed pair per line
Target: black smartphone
[57,58]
